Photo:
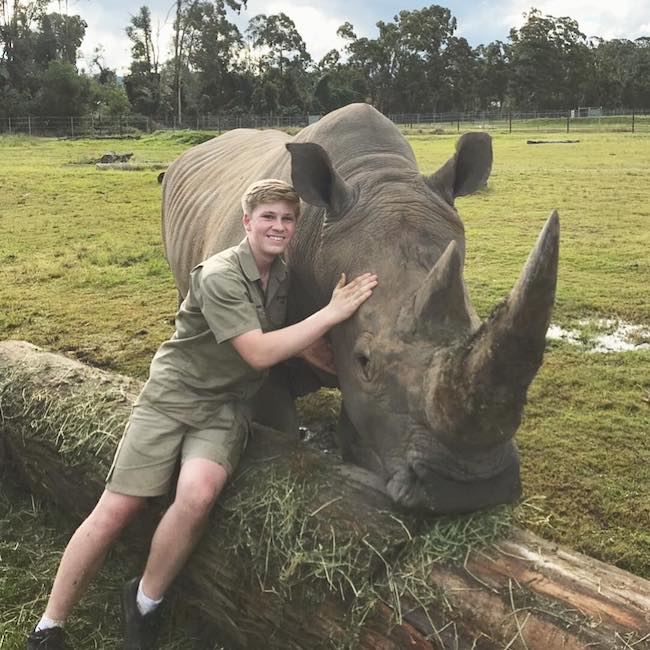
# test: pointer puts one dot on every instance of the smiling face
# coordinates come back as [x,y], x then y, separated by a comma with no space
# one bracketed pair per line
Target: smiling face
[270,227]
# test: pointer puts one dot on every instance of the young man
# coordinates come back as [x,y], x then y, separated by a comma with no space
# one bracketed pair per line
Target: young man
[196,407]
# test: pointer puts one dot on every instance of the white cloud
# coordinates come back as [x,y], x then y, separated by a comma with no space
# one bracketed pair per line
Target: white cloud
[106,27]
[480,21]
[315,25]
[620,19]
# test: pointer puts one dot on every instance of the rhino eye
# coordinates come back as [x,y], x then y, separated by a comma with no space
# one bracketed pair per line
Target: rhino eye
[364,363]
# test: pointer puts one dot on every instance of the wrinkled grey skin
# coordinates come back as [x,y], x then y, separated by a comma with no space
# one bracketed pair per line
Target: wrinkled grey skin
[431,396]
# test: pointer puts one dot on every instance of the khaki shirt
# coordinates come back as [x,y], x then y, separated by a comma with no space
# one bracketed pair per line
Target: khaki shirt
[198,370]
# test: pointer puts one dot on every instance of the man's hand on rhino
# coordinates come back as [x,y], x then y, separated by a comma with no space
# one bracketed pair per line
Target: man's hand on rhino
[320,355]
[347,298]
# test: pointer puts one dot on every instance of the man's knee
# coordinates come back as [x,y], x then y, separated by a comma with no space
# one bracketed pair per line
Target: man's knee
[199,485]
[197,504]
[114,511]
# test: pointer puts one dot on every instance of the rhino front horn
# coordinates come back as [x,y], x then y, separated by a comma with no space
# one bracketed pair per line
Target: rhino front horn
[488,378]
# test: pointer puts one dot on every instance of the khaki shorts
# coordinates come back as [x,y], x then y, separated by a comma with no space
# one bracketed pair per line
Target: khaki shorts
[153,443]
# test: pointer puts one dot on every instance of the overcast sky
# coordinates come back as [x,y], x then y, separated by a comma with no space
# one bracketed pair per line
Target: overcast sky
[479,21]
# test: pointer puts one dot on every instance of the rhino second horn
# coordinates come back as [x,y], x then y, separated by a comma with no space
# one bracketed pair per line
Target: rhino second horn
[479,391]
[441,301]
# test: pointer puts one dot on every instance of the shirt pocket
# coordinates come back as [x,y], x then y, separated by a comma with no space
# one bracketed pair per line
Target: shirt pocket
[277,311]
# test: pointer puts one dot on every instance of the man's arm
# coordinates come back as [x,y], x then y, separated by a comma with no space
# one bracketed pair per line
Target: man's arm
[264,349]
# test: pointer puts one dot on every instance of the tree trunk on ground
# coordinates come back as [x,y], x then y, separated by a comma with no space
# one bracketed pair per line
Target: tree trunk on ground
[306,552]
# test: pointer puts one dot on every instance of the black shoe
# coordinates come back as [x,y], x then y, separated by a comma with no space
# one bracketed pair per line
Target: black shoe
[140,632]
[51,639]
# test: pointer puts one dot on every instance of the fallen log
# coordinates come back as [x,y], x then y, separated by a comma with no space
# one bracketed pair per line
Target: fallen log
[552,141]
[306,552]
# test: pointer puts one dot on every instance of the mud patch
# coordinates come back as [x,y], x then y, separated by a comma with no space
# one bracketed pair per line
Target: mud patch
[604,335]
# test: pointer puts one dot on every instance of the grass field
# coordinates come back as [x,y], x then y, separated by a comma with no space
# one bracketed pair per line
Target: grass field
[82,271]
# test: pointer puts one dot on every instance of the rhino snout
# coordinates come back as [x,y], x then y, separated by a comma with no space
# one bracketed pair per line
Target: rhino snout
[419,485]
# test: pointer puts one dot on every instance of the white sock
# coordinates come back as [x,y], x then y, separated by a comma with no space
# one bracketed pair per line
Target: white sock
[47,624]
[145,604]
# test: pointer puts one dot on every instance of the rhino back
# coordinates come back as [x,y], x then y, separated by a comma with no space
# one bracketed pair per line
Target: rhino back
[201,212]
[202,189]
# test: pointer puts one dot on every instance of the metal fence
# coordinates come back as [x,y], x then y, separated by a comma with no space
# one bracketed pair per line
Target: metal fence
[123,126]
[572,120]
[575,120]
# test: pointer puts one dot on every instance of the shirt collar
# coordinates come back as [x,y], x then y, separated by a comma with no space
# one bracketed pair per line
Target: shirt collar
[252,273]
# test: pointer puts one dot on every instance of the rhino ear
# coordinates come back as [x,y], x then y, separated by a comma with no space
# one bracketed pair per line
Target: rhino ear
[317,182]
[468,169]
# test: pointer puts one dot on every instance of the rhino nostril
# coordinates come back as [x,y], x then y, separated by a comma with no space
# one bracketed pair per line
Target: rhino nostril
[419,471]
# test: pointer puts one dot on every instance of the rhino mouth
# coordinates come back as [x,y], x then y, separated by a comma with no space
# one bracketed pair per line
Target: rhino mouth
[419,486]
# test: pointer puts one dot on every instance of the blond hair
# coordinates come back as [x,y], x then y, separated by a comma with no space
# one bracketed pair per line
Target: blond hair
[269,190]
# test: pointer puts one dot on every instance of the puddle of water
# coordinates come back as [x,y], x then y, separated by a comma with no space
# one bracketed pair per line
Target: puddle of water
[556,333]
[618,337]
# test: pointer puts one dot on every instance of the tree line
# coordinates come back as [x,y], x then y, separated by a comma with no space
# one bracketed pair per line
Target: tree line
[415,64]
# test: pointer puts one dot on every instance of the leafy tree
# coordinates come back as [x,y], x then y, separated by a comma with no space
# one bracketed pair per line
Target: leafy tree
[330,61]
[363,59]
[407,65]
[215,44]
[109,98]
[19,74]
[333,87]
[622,72]
[185,37]
[59,38]
[492,69]
[642,83]
[266,97]
[143,82]
[106,75]
[278,33]
[37,48]
[461,71]
[285,67]
[549,60]
[145,58]
[63,91]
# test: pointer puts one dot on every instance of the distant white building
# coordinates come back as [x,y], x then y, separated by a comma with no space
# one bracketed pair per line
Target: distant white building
[587,111]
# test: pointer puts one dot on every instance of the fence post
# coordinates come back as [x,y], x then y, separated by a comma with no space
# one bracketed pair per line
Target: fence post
[219,123]
[9,118]
[632,120]
[71,126]
[29,124]
[568,117]
[458,125]
[510,122]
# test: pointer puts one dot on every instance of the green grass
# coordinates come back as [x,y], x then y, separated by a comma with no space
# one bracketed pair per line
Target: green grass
[82,271]
[33,538]
[600,187]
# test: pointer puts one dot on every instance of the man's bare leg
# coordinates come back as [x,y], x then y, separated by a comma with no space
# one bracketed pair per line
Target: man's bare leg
[199,483]
[87,549]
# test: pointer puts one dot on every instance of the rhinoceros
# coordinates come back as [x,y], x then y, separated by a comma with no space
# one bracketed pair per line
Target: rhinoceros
[431,396]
